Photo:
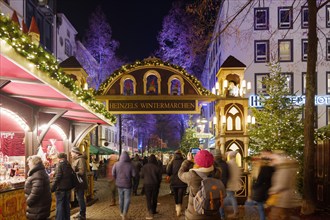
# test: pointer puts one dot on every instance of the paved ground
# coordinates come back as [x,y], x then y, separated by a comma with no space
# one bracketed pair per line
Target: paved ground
[166,208]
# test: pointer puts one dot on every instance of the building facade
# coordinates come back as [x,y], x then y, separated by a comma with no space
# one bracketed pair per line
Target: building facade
[272,31]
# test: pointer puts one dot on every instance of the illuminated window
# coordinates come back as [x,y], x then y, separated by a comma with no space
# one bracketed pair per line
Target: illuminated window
[289,82]
[285,50]
[229,123]
[260,87]
[304,83]
[234,117]
[238,123]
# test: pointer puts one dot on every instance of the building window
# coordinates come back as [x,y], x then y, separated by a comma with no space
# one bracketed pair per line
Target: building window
[285,50]
[304,51]
[261,18]
[328,115]
[260,87]
[327,12]
[328,82]
[304,17]
[289,82]
[261,51]
[67,48]
[328,49]
[285,20]
[304,83]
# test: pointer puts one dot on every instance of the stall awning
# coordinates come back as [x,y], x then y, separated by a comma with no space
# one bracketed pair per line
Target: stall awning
[101,150]
[22,81]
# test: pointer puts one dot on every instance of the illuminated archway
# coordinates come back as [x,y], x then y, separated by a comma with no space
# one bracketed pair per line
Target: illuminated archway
[15,118]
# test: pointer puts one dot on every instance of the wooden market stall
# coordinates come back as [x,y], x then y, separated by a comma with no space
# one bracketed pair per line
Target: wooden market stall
[45,108]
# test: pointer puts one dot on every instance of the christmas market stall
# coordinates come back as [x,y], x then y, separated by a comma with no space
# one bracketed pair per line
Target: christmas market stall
[45,108]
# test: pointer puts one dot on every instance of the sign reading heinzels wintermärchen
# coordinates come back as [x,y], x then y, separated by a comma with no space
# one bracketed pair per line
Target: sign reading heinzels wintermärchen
[152,86]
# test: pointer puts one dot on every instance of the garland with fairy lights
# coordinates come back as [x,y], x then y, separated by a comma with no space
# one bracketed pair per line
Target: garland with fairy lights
[151,62]
[22,44]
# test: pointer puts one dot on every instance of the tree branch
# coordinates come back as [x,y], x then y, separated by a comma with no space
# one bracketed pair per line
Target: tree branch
[231,21]
[323,4]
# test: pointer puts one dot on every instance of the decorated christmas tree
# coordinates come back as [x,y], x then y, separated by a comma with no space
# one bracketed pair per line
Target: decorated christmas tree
[279,124]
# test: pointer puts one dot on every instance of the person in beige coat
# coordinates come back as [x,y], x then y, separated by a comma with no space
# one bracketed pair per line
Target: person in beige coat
[79,166]
[233,184]
[283,187]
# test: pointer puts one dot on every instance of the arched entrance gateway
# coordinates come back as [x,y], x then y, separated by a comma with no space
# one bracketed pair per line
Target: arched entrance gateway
[152,86]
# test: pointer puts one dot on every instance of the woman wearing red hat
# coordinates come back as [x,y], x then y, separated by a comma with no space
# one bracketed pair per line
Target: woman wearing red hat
[192,173]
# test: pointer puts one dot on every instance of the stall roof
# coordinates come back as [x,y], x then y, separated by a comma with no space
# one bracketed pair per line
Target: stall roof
[23,81]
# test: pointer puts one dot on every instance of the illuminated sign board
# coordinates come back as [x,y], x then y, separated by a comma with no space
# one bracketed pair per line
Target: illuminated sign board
[254,100]
[178,106]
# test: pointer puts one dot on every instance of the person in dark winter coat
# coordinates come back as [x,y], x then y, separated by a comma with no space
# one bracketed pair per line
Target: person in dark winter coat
[179,188]
[152,177]
[37,190]
[203,167]
[123,172]
[221,164]
[137,163]
[62,186]
[262,184]
[79,166]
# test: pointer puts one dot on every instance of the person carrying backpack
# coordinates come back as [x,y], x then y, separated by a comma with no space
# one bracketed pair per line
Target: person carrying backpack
[200,173]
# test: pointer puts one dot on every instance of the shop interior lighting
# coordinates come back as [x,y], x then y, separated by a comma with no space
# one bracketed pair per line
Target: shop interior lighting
[57,128]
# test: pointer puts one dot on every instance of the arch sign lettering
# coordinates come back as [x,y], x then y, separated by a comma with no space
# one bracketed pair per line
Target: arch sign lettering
[152,86]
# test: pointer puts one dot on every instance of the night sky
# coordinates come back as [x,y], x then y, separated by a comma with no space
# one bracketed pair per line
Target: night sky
[134,23]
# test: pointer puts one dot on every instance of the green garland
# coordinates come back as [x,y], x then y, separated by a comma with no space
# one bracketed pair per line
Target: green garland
[151,62]
[22,44]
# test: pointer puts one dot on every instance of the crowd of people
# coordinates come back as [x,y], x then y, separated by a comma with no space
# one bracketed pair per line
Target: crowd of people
[273,173]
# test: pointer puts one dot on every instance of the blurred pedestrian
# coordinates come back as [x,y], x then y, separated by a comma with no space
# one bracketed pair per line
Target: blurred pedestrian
[62,186]
[112,182]
[79,166]
[137,163]
[152,177]
[177,186]
[203,167]
[262,183]
[123,172]
[233,184]
[282,190]
[95,168]
[221,164]
[37,190]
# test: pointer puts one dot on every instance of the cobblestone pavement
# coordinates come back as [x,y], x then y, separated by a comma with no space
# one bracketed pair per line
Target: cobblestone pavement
[166,208]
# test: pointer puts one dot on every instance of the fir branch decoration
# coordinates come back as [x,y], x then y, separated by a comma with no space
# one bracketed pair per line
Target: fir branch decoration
[22,44]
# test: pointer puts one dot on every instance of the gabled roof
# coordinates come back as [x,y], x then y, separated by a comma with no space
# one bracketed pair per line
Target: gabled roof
[71,62]
[232,62]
